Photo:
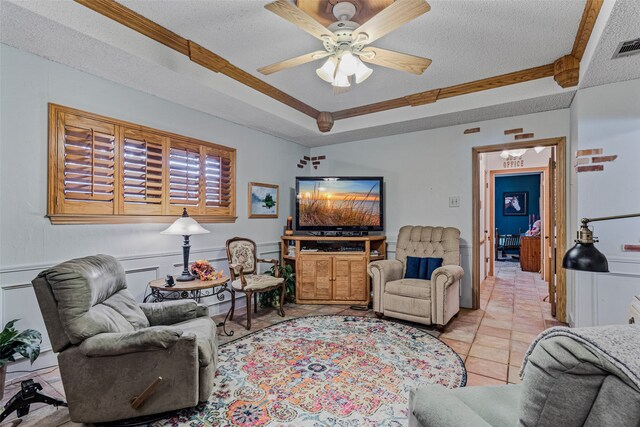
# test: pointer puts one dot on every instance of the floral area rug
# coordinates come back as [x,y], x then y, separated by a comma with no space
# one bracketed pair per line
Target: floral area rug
[323,371]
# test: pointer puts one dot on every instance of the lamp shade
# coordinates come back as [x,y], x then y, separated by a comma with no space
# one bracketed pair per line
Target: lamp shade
[185,226]
[362,72]
[348,64]
[585,257]
[327,70]
[341,80]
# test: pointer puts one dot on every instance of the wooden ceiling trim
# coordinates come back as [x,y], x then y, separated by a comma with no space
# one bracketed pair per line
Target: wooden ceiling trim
[588,21]
[371,108]
[431,96]
[137,22]
[198,54]
[497,81]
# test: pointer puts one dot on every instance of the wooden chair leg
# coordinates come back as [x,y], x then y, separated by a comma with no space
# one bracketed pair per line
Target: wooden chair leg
[283,293]
[233,304]
[248,310]
[255,302]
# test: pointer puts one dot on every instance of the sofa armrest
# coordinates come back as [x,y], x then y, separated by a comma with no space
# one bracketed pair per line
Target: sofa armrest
[436,406]
[382,272]
[116,343]
[445,293]
[170,312]
[447,274]
[202,310]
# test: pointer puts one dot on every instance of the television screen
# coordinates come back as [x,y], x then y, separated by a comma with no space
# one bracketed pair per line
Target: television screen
[339,203]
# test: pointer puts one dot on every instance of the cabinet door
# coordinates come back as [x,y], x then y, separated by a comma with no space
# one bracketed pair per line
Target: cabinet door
[315,277]
[350,278]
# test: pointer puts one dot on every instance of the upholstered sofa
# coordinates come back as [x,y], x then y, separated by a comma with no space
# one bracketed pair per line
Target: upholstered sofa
[111,349]
[571,378]
[422,301]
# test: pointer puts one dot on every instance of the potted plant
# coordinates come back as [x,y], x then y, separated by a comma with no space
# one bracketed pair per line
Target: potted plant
[12,342]
[273,297]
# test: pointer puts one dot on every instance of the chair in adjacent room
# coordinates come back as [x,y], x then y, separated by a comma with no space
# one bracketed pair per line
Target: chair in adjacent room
[422,300]
[120,359]
[243,266]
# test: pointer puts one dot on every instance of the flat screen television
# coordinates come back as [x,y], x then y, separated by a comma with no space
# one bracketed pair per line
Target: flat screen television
[339,203]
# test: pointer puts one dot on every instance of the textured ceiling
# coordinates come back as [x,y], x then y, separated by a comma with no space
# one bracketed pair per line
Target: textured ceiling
[623,25]
[467,39]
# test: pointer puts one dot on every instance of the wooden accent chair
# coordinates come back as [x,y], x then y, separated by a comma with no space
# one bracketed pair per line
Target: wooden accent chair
[241,254]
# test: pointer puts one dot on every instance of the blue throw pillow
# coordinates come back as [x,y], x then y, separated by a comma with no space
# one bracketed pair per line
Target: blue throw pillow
[413,268]
[432,264]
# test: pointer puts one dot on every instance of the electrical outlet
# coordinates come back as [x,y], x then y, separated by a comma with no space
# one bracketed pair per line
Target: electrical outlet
[454,201]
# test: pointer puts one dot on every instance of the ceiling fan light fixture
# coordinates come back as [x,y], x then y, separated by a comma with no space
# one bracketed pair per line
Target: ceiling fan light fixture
[362,72]
[341,80]
[348,64]
[327,70]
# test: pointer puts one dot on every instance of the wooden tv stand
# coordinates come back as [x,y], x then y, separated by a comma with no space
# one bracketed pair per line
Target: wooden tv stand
[332,270]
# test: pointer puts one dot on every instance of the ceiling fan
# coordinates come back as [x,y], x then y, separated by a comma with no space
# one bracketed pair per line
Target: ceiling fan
[346,43]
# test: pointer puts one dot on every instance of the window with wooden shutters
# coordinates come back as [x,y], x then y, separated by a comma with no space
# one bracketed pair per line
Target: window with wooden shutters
[142,172]
[86,166]
[103,170]
[218,175]
[185,178]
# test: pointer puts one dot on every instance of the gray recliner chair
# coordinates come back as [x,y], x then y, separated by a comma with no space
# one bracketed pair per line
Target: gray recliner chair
[111,349]
[416,300]
[571,378]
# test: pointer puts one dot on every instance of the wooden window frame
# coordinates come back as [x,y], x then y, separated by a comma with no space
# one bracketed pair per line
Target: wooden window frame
[121,215]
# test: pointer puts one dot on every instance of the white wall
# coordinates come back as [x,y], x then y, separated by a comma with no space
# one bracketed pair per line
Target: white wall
[29,243]
[422,169]
[608,117]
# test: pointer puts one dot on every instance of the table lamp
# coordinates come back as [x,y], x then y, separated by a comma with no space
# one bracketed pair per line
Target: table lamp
[185,226]
[584,256]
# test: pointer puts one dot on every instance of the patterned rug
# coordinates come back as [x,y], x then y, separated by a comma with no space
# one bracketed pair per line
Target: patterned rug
[324,371]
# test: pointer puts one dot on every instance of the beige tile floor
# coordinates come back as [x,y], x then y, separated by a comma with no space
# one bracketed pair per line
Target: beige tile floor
[491,341]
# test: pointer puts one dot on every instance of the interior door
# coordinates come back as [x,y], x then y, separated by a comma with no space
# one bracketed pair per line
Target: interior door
[550,233]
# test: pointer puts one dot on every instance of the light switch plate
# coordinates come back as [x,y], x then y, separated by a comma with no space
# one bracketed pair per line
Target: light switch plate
[454,201]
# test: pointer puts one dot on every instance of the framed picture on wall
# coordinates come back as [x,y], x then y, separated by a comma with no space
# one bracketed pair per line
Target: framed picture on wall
[516,203]
[263,200]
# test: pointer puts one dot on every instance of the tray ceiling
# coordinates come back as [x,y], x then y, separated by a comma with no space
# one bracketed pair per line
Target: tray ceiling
[466,39]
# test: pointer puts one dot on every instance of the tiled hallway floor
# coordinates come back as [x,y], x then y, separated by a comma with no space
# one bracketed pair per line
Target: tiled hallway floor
[491,341]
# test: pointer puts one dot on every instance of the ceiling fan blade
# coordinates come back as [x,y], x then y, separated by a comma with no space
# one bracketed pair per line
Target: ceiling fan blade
[396,60]
[291,13]
[393,16]
[293,62]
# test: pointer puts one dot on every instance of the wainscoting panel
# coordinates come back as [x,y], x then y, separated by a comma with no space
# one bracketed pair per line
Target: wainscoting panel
[604,298]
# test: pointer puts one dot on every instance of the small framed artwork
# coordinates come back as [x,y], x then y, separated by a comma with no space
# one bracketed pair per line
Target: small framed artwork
[263,200]
[515,203]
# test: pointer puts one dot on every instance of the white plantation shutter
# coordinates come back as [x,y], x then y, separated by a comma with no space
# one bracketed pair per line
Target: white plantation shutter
[142,173]
[185,176]
[88,167]
[104,170]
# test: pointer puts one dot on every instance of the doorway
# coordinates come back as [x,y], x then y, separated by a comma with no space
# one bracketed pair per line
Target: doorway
[552,243]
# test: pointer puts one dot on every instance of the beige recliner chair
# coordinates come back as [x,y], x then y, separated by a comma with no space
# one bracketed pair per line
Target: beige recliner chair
[112,349]
[422,301]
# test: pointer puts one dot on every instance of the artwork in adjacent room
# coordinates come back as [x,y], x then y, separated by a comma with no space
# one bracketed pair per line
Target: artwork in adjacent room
[263,200]
[515,203]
